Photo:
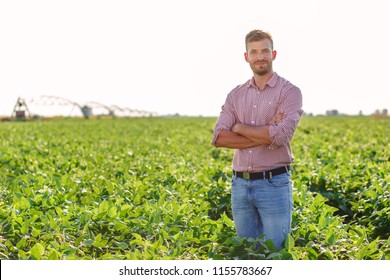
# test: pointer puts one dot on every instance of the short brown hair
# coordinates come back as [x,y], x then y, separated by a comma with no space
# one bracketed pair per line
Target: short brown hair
[258,35]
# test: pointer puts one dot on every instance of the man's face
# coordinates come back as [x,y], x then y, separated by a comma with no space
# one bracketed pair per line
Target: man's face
[260,55]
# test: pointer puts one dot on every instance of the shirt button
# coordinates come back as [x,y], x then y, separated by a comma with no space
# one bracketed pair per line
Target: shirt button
[254,106]
[253,122]
[250,151]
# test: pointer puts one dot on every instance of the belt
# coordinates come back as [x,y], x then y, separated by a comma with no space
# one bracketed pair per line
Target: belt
[266,174]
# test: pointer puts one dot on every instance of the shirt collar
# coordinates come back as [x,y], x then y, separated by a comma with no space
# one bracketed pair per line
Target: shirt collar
[271,82]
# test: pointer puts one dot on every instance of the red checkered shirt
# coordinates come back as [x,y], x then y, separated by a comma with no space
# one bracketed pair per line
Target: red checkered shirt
[247,104]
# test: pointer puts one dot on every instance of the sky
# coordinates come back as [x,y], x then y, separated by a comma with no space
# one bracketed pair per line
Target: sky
[184,57]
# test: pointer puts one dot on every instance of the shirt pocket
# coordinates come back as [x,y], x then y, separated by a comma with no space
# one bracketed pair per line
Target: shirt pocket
[267,110]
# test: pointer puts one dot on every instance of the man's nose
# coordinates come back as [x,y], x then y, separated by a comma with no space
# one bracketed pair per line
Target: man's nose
[260,56]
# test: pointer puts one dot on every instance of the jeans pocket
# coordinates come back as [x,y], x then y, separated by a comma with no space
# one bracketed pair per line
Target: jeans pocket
[237,181]
[282,180]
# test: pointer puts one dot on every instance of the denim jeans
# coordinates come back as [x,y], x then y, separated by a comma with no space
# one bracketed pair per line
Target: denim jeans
[263,207]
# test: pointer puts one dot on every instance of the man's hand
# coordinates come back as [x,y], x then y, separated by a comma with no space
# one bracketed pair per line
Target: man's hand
[236,128]
[278,118]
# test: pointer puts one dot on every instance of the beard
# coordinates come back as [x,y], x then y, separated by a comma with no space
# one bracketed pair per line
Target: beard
[261,69]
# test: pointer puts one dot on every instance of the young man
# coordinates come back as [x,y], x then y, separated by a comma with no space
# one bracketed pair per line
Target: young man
[258,120]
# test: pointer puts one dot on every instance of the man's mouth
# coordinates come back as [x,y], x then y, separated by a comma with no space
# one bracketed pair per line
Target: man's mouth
[261,63]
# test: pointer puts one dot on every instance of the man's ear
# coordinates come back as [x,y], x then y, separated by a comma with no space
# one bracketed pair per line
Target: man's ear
[273,55]
[246,56]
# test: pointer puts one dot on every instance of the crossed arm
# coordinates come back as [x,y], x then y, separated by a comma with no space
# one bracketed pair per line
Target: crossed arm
[243,136]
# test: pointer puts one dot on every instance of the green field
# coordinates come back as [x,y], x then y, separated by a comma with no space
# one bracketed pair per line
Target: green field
[155,188]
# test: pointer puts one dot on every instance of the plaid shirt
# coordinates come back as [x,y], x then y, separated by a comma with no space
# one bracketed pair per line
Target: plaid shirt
[247,104]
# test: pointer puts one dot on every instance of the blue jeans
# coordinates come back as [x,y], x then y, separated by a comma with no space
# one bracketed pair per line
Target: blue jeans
[263,207]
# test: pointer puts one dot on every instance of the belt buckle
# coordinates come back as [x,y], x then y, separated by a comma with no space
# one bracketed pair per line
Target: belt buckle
[246,175]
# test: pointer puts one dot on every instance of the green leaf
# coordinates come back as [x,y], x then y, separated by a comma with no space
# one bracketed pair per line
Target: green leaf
[330,238]
[21,244]
[120,226]
[54,255]
[371,194]
[37,251]
[35,232]
[88,242]
[25,227]
[58,211]
[289,242]
[122,245]
[226,220]
[112,212]
[24,203]
[99,242]
[138,239]
[103,207]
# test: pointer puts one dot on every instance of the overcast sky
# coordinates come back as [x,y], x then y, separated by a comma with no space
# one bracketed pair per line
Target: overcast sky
[184,57]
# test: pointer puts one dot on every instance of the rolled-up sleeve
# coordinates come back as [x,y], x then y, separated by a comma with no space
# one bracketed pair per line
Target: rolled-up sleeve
[226,119]
[291,104]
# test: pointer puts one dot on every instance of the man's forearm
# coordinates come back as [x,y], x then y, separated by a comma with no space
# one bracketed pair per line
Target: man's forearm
[257,134]
[232,140]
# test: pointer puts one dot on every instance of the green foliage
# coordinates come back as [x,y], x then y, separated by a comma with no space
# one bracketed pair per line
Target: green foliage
[154,188]
[342,170]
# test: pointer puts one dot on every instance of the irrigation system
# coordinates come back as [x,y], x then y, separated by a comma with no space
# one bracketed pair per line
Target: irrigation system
[22,108]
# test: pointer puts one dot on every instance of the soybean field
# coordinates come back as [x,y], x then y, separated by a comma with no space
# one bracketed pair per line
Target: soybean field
[156,189]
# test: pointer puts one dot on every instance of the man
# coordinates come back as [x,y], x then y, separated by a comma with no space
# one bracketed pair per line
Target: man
[258,120]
